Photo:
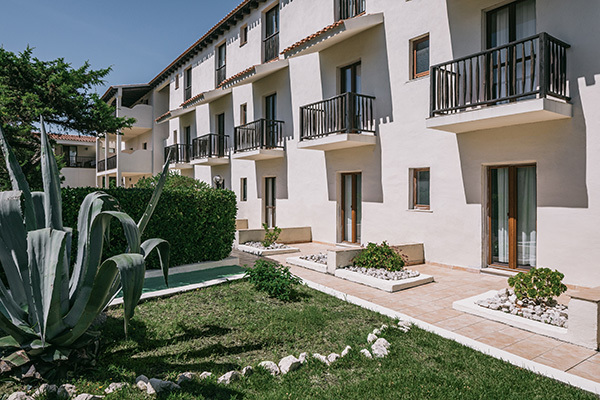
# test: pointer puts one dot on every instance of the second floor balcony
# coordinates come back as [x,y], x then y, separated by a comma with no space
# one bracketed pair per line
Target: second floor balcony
[259,140]
[211,149]
[518,83]
[179,155]
[343,121]
[128,162]
[143,118]
[80,162]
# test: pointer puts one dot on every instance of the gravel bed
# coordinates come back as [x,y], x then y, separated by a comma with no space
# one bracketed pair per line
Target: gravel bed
[320,258]
[384,274]
[506,301]
[274,246]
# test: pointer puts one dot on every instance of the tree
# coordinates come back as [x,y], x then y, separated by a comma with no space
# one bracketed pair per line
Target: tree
[30,88]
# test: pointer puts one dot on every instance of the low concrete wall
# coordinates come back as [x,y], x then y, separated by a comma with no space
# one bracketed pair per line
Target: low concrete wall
[241,224]
[288,235]
[340,258]
[413,254]
[584,318]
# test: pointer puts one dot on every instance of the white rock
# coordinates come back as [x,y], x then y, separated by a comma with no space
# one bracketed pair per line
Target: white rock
[143,386]
[376,332]
[66,391]
[19,396]
[346,351]
[185,377]
[332,357]
[45,390]
[382,342]
[87,396]
[303,357]
[157,386]
[247,371]
[289,364]
[383,327]
[205,375]
[366,353]
[404,325]
[371,338]
[321,358]
[229,377]
[270,366]
[114,387]
[379,351]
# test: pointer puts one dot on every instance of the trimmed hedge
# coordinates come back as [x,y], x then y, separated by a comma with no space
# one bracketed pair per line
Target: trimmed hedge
[199,224]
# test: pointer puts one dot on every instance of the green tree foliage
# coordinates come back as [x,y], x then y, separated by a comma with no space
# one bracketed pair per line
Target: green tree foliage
[54,90]
[174,182]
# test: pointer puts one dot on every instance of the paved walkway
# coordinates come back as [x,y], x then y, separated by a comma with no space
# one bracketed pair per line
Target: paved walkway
[432,303]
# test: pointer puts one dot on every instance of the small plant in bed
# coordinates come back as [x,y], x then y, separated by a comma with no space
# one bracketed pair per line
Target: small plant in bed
[381,261]
[533,296]
[269,243]
[274,279]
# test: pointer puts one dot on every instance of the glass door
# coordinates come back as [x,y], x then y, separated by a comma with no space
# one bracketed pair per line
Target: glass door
[270,124]
[270,199]
[512,216]
[351,84]
[220,135]
[351,207]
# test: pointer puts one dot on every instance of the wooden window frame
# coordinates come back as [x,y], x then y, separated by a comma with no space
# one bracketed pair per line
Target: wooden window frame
[243,35]
[413,50]
[243,189]
[415,204]
[353,206]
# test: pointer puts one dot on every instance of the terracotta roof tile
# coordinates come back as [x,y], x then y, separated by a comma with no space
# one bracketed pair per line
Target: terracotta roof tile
[75,138]
[163,117]
[313,36]
[239,74]
[192,100]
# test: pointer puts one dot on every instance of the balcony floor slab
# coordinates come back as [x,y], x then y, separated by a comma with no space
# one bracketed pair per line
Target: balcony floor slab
[210,161]
[338,141]
[259,154]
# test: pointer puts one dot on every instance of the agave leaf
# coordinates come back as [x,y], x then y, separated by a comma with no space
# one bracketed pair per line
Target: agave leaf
[38,205]
[9,341]
[51,179]
[18,182]
[17,315]
[163,248]
[131,230]
[21,333]
[18,358]
[155,196]
[46,249]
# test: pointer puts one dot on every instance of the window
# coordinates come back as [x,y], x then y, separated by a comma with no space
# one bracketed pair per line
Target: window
[221,61]
[271,34]
[243,35]
[243,114]
[175,137]
[270,199]
[176,81]
[243,189]
[187,83]
[351,8]
[145,145]
[420,57]
[421,189]
[351,81]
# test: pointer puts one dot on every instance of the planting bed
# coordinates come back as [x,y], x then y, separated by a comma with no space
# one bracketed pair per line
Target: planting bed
[258,249]
[410,278]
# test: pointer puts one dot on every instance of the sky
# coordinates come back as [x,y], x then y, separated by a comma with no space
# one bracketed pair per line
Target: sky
[138,38]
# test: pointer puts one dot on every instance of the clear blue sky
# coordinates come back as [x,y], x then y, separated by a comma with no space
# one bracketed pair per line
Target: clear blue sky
[138,38]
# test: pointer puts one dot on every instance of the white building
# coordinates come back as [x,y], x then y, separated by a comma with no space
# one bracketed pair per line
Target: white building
[465,125]
[79,158]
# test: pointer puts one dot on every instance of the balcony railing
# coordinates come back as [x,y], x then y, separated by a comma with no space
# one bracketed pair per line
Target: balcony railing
[346,113]
[80,162]
[271,47]
[111,163]
[260,134]
[101,165]
[220,75]
[178,153]
[351,8]
[208,146]
[528,68]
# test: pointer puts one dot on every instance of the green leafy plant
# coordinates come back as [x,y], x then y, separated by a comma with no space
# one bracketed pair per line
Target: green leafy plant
[271,236]
[539,284]
[273,278]
[174,181]
[379,256]
[49,307]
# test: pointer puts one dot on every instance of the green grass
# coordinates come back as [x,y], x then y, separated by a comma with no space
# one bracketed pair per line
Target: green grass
[227,327]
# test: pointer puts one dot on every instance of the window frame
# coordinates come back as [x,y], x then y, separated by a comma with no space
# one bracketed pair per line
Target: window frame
[415,191]
[187,83]
[177,81]
[243,189]
[243,35]
[243,114]
[413,56]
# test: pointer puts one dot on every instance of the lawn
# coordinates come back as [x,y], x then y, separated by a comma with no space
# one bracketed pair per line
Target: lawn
[229,326]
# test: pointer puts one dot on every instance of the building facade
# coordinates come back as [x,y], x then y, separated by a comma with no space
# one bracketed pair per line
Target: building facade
[79,158]
[464,125]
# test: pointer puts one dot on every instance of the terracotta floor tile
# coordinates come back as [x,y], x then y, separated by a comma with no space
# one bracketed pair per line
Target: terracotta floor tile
[516,333]
[529,348]
[595,359]
[459,322]
[498,340]
[565,356]
[440,315]
[480,329]
[588,370]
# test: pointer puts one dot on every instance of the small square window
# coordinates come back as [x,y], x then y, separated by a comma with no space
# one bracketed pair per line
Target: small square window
[176,81]
[243,189]
[243,35]
[145,145]
[420,57]
[421,189]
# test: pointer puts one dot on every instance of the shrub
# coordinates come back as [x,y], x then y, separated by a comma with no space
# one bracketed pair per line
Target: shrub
[539,284]
[174,181]
[379,256]
[199,223]
[273,278]
[270,236]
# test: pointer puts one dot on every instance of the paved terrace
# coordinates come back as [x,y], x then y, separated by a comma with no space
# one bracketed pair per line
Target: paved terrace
[432,303]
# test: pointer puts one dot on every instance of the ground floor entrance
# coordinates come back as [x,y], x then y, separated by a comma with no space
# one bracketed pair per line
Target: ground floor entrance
[351,209]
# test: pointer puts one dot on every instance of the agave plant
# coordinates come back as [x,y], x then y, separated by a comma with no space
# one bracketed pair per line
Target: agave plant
[47,307]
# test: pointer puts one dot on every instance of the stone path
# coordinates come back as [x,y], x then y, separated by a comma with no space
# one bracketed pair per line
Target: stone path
[432,303]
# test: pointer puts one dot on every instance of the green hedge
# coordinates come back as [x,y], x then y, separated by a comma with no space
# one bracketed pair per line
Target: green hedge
[199,225]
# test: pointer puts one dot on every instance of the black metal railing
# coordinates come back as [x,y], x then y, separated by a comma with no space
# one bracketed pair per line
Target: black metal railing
[80,162]
[178,153]
[220,75]
[271,47]
[527,68]
[101,165]
[260,134]
[346,113]
[111,163]
[351,8]
[208,146]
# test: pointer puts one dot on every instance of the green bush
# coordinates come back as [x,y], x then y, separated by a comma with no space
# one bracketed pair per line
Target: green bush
[174,181]
[273,278]
[270,236]
[200,224]
[539,284]
[379,256]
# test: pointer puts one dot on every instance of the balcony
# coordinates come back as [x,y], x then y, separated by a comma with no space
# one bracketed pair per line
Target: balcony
[80,162]
[340,122]
[101,165]
[130,162]
[259,140]
[179,155]
[351,8]
[143,119]
[518,83]
[211,149]
[271,47]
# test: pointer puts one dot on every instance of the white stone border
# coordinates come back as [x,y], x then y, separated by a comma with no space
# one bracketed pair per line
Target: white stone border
[266,253]
[226,262]
[469,306]
[297,261]
[513,359]
[383,284]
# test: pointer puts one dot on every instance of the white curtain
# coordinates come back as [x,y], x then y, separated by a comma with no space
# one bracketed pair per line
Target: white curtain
[502,217]
[526,216]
